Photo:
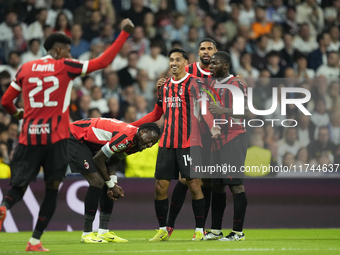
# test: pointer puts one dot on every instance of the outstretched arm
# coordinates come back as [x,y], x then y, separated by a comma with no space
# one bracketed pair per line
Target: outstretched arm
[153,116]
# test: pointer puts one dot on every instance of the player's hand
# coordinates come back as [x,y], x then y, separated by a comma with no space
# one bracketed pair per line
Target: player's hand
[241,79]
[115,192]
[215,131]
[19,114]
[215,109]
[161,82]
[128,26]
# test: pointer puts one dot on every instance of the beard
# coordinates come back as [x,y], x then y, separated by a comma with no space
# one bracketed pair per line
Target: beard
[204,61]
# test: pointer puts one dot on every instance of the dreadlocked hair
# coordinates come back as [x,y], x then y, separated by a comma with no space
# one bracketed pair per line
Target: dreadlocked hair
[150,127]
[56,38]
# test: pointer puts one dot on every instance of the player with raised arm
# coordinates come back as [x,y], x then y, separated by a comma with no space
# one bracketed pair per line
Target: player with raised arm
[231,149]
[181,136]
[95,148]
[46,86]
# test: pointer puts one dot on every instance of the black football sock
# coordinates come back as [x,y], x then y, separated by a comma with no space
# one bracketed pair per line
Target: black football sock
[12,196]
[207,196]
[91,204]
[161,207]
[106,206]
[46,212]
[218,205]
[240,205]
[177,201]
[198,208]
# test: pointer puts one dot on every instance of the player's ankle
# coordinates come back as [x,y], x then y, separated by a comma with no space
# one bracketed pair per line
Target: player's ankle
[34,241]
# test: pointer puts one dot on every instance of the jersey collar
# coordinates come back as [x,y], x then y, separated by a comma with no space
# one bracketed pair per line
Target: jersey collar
[226,79]
[202,71]
[179,81]
[47,57]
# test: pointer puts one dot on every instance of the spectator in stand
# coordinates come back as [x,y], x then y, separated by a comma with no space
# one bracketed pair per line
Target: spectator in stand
[57,8]
[259,60]
[150,30]
[107,34]
[220,11]
[246,70]
[128,96]
[78,46]
[302,158]
[96,48]
[244,31]
[74,106]
[26,11]
[177,30]
[331,70]
[334,128]
[17,42]
[276,42]
[82,15]
[237,47]
[310,13]
[163,16]
[141,106]
[108,12]
[220,36]
[137,12]
[261,26]
[290,25]
[98,101]
[35,30]
[137,42]
[13,64]
[84,106]
[208,24]
[276,13]
[305,42]
[262,90]
[318,57]
[13,136]
[121,60]
[144,87]
[33,53]
[130,114]
[92,30]
[247,14]
[288,53]
[113,112]
[233,23]
[112,86]
[127,75]
[194,14]
[305,130]
[5,81]
[154,63]
[95,113]
[319,116]
[62,24]
[192,44]
[301,70]
[87,85]
[323,143]
[289,144]
[335,38]
[273,64]
[11,19]
[334,96]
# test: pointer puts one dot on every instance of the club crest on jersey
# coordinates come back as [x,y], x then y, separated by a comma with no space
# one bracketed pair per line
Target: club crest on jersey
[221,92]
[180,92]
[86,164]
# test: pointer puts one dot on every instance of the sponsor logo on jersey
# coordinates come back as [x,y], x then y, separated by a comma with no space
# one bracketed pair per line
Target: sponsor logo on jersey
[38,129]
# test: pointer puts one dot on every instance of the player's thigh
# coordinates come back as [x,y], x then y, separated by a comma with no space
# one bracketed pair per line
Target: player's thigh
[25,164]
[55,161]
[166,164]
[188,159]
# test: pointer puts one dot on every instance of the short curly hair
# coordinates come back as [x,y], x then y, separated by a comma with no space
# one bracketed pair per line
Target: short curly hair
[150,127]
[56,38]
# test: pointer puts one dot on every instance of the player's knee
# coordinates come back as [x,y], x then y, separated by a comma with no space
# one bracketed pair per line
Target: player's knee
[183,181]
[194,185]
[161,188]
[237,189]
[53,185]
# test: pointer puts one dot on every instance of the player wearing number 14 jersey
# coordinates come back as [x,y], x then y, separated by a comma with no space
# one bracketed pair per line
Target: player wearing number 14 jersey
[46,86]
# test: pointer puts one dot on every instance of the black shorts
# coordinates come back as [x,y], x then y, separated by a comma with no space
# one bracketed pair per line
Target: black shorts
[206,149]
[171,162]
[231,155]
[80,157]
[27,160]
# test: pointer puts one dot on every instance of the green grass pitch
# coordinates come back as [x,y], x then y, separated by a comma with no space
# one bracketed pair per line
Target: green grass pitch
[258,241]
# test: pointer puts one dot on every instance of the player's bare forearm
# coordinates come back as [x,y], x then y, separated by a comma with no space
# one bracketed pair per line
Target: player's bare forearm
[112,165]
[216,109]
[153,116]
[99,161]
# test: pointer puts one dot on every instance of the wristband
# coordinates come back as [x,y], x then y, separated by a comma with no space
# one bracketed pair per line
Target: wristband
[110,184]
[19,110]
[114,178]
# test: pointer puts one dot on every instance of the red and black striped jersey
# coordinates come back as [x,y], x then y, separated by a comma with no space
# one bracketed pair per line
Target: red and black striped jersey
[196,70]
[46,86]
[179,101]
[234,127]
[110,135]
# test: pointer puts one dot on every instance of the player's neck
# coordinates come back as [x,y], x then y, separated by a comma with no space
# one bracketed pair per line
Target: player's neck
[203,66]
[178,76]
[223,76]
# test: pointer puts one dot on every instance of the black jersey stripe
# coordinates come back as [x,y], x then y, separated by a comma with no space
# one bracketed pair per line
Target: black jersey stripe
[73,75]
[73,64]
[40,121]
[187,101]
[173,117]
[118,140]
[49,135]
[29,140]
[166,116]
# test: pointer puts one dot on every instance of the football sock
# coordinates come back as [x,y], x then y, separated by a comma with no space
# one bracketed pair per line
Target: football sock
[218,205]
[91,204]
[161,207]
[34,241]
[106,205]
[207,196]
[46,212]
[177,201]
[12,196]
[199,229]
[198,208]
[240,205]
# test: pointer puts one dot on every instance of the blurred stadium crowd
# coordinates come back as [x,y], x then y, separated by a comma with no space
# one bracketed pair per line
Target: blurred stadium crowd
[272,44]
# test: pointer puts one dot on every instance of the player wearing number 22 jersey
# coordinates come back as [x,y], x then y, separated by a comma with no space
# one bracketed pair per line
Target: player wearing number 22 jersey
[46,86]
